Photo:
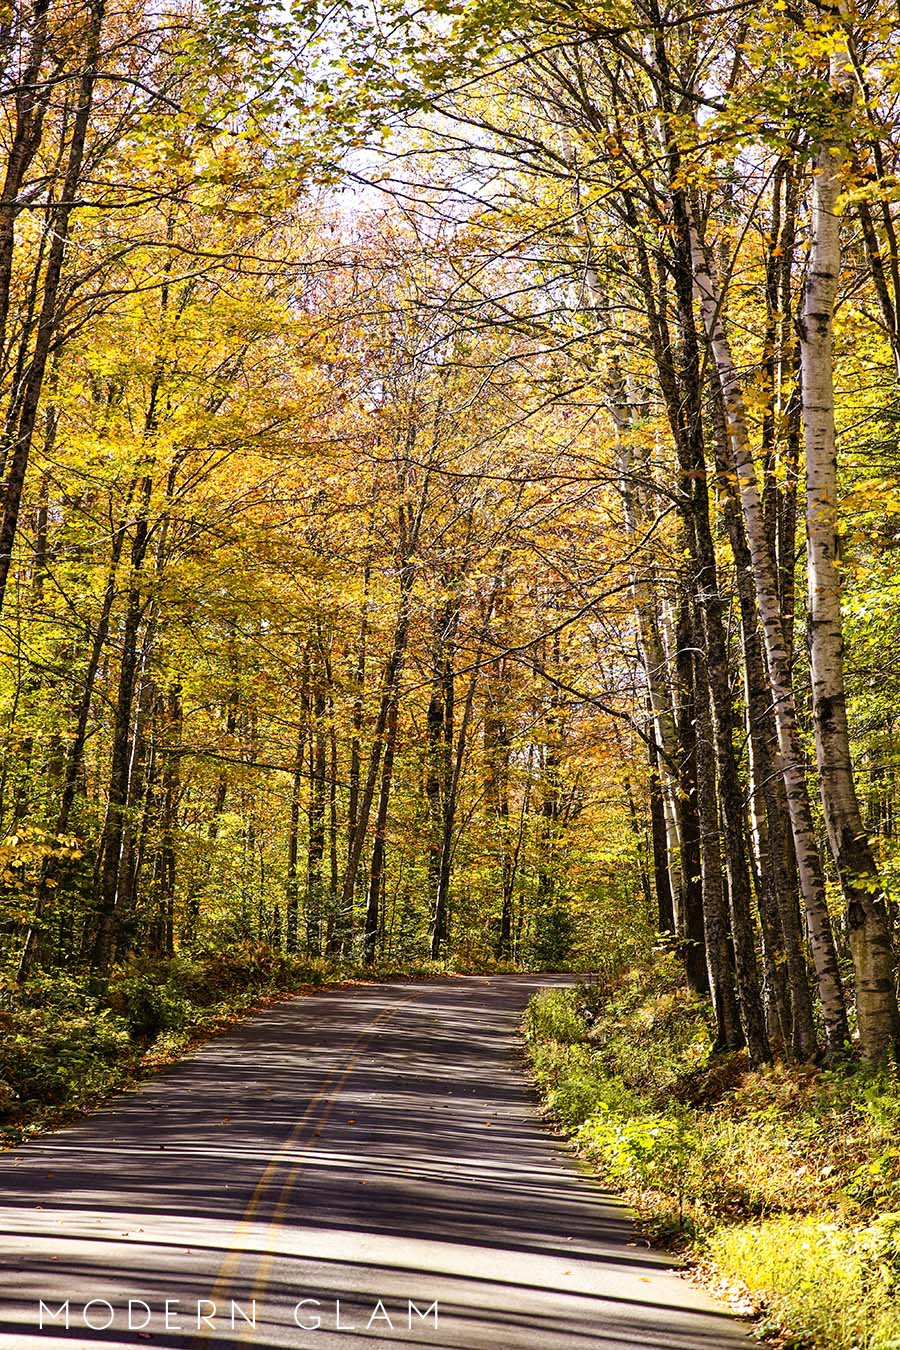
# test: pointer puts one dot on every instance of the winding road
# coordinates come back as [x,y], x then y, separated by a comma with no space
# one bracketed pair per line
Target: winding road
[365,1167]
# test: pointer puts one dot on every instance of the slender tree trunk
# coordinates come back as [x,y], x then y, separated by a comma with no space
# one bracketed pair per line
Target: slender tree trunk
[879,280]
[359,680]
[440,927]
[166,862]
[653,659]
[690,925]
[377,869]
[717,934]
[663,741]
[316,848]
[333,933]
[870,942]
[440,923]
[292,884]
[439,724]
[665,907]
[74,762]
[788,406]
[671,756]
[497,764]
[141,787]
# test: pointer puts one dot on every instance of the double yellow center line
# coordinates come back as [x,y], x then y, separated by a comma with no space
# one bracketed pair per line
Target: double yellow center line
[317,1114]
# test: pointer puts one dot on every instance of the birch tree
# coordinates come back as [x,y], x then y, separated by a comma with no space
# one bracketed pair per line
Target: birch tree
[873,959]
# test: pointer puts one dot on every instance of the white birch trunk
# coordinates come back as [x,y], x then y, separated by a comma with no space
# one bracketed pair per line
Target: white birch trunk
[873,962]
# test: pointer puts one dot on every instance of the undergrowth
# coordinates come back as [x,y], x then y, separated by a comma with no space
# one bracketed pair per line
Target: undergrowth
[786,1179]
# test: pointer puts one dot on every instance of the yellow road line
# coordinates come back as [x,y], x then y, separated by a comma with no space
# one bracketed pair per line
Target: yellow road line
[268,1256]
[326,1098]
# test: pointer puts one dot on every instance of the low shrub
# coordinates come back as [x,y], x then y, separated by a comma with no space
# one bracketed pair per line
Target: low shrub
[830,1285]
[646,1150]
[553,1015]
[574,1086]
[51,1060]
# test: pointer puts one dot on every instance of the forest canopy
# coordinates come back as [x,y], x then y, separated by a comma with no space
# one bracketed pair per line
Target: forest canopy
[449,493]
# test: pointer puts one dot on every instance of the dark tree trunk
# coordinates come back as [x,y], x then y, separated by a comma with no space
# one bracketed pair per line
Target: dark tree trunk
[377,868]
[662,884]
[316,850]
[292,886]
[692,936]
[716,924]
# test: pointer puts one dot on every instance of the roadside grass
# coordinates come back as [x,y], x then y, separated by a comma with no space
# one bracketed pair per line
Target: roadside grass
[785,1183]
[65,1049]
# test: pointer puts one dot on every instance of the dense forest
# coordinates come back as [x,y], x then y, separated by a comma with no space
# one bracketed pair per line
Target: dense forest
[450,493]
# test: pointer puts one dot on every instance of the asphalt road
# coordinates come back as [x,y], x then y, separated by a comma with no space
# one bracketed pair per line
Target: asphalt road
[365,1154]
